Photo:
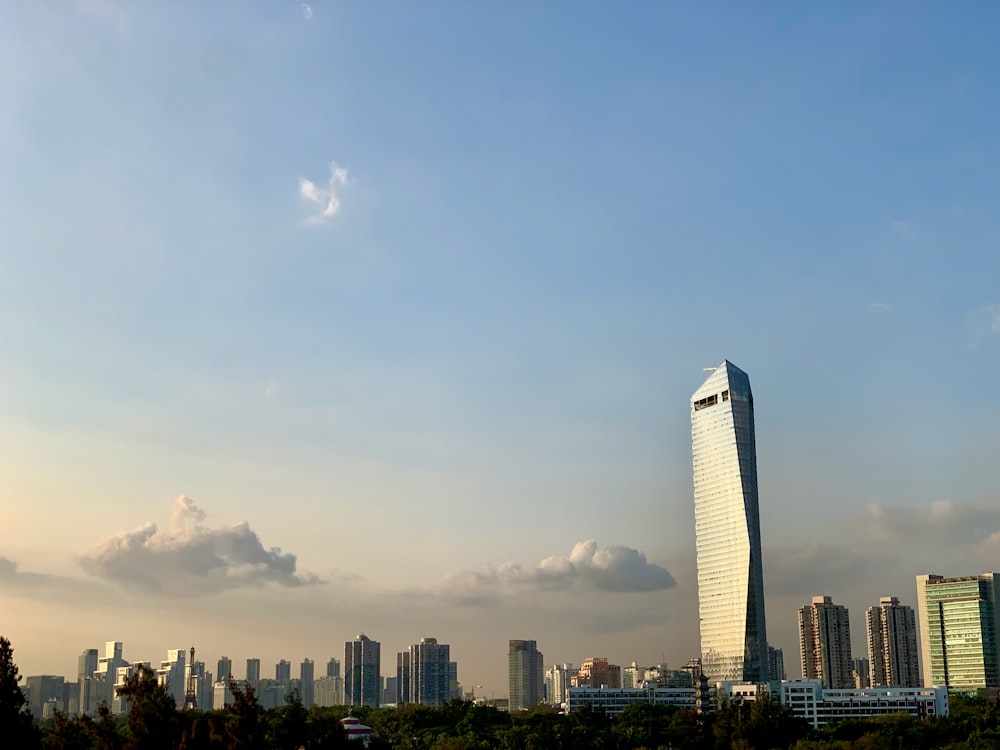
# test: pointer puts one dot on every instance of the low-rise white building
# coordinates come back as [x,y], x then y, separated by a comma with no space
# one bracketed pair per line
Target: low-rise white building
[819,706]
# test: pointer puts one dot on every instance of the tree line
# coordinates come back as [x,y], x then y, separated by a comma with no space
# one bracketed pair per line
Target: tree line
[153,722]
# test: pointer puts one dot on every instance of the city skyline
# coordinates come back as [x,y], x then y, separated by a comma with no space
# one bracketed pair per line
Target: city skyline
[305,318]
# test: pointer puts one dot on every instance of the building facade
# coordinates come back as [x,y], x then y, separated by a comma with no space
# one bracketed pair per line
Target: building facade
[307,674]
[820,706]
[525,675]
[776,664]
[402,678]
[429,672]
[959,631]
[557,683]
[253,674]
[362,672]
[892,644]
[825,643]
[597,672]
[727,528]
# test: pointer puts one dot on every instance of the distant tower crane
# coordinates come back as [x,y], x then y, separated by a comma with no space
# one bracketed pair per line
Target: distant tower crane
[191,695]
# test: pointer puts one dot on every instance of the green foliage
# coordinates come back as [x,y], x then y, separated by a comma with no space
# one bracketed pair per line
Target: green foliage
[153,721]
[16,724]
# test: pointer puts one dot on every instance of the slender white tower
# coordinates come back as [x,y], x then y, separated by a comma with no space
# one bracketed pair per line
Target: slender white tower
[727,528]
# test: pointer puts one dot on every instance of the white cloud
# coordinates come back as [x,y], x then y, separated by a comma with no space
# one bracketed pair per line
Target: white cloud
[307,11]
[586,568]
[325,198]
[884,306]
[188,559]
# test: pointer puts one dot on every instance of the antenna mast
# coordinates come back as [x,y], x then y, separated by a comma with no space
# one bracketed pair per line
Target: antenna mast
[191,696]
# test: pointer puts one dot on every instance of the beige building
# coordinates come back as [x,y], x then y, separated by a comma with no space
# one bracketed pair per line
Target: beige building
[825,643]
[596,672]
[892,644]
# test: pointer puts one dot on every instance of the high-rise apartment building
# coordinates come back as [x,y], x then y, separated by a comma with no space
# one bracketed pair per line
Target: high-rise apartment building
[172,674]
[253,674]
[557,683]
[862,672]
[825,643]
[307,673]
[329,691]
[402,678]
[727,528]
[333,667]
[776,664]
[429,672]
[224,668]
[525,675]
[959,631]
[283,673]
[892,644]
[362,672]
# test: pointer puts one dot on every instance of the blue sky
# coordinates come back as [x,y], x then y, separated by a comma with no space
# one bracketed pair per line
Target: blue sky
[552,217]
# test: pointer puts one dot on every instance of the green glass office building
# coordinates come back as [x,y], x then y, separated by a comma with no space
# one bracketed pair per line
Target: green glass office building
[959,630]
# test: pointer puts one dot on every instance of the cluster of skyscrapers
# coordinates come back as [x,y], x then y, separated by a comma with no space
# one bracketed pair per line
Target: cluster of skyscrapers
[959,618]
[957,627]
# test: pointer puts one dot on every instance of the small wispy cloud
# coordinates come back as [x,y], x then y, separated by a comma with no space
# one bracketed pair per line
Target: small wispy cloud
[271,389]
[984,322]
[324,197]
[307,11]
[884,306]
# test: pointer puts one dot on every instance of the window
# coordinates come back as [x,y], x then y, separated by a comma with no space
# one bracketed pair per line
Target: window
[725,395]
[706,402]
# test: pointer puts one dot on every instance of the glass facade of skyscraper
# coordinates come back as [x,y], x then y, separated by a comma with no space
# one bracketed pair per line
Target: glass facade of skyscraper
[959,630]
[727,528]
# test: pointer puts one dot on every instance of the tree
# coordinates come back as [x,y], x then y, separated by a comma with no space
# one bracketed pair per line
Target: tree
[15,716]
[246,730]
[153,723]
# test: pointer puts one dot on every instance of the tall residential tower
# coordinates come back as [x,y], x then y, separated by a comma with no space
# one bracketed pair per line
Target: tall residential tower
[526,675]
[892,644]
[825,643]
[727,528]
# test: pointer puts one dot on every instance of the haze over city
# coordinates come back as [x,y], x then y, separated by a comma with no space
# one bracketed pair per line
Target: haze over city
[330,318]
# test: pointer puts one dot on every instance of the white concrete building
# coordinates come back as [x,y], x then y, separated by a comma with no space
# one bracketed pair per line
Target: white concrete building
[819,705]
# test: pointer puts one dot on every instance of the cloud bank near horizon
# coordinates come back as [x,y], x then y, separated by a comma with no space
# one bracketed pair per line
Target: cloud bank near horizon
[587,567]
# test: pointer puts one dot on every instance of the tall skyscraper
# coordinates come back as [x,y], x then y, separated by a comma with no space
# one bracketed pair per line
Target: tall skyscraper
[825,643]
[362,672]
[307,672]
[959,631]
[283,673]
[892,644]
[402,678]
[333,667]
[776,663]
[253,674]
[429,672]
[525,675]
[224,669]
[87,663]
[172,672]
[557,683]
[727,528]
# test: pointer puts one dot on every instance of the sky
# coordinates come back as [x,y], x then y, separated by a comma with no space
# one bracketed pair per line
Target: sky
[329,318]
